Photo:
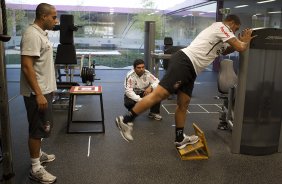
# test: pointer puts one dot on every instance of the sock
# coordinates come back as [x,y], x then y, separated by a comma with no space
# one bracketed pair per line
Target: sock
[179,134]
[35,164]
[129,117]
[40,153]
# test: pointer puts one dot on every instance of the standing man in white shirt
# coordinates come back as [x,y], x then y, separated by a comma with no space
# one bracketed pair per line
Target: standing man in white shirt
[37,84]
[183,69]
[139,83]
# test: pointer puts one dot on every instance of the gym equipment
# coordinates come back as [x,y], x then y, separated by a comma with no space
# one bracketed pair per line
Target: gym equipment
[197,151]
[226,83]
[151,58]
[61,95]
[5,133]
[169,49]
[85,90]
[157,58]
[257,126]
[87,73]
[66,50]
[1,156]
[66,53]
[149,44]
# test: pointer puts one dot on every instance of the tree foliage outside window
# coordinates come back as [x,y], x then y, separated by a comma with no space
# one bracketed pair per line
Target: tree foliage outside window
[16,21]
[149,13]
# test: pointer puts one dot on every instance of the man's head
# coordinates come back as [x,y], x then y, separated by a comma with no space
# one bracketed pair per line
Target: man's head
[233,22]
[46,16]
[139,67]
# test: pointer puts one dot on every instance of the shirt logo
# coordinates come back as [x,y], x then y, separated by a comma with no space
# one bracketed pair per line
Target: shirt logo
[222,30]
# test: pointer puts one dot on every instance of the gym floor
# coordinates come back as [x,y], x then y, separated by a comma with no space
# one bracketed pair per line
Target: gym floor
[151,158]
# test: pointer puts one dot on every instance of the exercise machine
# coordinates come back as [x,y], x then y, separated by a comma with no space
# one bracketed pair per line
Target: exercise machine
[257,128]
[226,82]
[5,133]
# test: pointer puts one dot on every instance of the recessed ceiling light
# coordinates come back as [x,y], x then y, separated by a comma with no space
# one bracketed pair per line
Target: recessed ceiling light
[260,2]
[275,12]
[241,6]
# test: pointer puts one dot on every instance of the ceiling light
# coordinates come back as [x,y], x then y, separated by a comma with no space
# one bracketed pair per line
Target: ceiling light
[260,2]
[275,12]
[241,6]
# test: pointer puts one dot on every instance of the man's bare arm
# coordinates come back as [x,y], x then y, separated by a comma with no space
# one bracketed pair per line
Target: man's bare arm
[30,75]
[241,44]
[228,50]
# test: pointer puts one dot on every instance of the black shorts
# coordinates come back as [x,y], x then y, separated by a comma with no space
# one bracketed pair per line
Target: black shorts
[40,122]
[180,74]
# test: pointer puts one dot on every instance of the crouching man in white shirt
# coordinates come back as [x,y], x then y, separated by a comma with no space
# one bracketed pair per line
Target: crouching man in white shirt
[138,83]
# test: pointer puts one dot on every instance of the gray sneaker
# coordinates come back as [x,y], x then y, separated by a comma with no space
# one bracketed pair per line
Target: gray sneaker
[187,140]
[46,158]
[42,176]
[125,129]
[155,116]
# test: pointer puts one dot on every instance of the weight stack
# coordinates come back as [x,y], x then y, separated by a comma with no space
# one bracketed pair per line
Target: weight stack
[66,53]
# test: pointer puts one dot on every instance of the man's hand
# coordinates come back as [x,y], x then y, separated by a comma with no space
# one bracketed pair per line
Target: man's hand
[241,43]
[148,90]
[41,102]
[246,35]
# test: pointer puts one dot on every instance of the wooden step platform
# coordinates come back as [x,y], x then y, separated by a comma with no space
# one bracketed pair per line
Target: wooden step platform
[197,151]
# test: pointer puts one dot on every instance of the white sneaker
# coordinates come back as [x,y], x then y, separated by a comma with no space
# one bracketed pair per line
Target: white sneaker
[187,140]
[46,158]
[155,116]
[125,129]
[42,176]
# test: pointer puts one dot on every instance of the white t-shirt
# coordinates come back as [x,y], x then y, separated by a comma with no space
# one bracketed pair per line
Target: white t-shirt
[35,43]
[135,85]
[209,44]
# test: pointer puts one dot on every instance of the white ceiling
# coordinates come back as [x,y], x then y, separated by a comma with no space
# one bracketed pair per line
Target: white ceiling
[159,4]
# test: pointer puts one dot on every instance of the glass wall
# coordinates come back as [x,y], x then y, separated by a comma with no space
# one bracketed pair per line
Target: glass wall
[115,36]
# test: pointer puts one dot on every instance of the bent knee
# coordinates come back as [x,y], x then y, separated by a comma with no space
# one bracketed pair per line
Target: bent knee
[160,93]
[182,107]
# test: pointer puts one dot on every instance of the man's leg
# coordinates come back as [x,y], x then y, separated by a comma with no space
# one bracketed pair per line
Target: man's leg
[34,151]
[39,126]
[183,101]
[148,101]
[155,112]
[156,108]
[181,140]
[128,103]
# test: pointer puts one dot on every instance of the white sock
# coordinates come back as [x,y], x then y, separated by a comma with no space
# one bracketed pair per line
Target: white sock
[40,152]
[35,164]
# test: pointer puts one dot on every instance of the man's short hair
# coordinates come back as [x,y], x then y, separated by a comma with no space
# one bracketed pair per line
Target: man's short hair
[232,17]
[138,62]
[43,9]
